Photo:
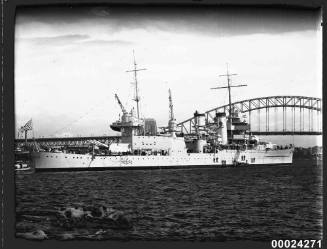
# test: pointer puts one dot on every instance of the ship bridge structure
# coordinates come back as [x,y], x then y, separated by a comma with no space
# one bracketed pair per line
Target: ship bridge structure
[272,115]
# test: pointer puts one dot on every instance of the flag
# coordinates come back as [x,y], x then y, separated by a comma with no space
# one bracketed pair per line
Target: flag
[27,126]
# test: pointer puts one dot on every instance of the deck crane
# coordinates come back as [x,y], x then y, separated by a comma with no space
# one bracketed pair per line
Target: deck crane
[120,104]
[171,110]
[172,121]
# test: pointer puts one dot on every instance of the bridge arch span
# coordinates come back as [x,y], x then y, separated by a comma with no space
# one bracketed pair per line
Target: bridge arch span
[249,105]
[273,101]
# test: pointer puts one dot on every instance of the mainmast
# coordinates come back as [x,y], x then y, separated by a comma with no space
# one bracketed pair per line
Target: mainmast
[229,86]
[137,97]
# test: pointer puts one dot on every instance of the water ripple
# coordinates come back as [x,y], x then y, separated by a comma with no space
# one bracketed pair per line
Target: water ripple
[253,203]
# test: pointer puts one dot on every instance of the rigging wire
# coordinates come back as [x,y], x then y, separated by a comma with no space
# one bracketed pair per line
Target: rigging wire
[79,118]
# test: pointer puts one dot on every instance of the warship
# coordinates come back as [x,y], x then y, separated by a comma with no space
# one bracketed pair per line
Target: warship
[225,142]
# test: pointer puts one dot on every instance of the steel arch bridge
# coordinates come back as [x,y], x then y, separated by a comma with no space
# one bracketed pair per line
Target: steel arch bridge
[303,110]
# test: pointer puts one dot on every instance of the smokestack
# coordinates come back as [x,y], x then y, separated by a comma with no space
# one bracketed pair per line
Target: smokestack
[222,127]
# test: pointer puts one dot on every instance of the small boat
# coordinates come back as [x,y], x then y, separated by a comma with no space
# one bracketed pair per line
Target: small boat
[22,166]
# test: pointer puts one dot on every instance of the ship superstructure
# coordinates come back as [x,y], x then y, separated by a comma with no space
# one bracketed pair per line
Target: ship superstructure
[227,141]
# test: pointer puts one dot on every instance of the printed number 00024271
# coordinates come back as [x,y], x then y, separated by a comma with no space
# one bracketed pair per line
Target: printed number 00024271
[296,243]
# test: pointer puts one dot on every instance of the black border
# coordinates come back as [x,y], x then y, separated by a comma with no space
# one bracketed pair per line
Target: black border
[8,8]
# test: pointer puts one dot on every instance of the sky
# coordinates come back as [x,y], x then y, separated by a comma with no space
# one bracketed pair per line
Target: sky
[69,62]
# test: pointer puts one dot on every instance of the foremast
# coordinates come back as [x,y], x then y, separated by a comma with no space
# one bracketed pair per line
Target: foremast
[136,89]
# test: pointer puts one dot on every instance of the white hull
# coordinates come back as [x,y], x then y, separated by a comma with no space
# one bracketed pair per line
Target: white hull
[65,161]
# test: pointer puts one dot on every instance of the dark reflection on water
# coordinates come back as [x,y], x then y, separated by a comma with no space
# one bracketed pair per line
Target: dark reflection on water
[252,203]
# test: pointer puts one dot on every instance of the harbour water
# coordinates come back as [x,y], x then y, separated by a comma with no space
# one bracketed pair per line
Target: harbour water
[257,203]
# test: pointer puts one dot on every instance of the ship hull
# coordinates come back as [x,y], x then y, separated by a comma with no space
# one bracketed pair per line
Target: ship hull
[43,161]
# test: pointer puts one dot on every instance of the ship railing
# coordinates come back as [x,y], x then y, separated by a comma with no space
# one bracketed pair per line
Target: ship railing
[243,147]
